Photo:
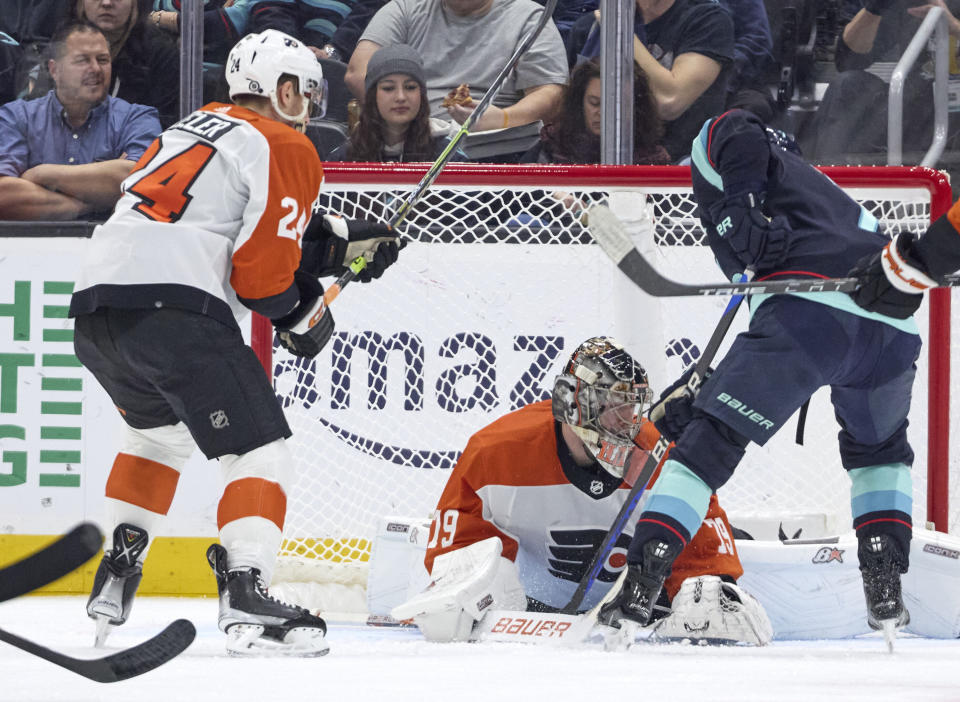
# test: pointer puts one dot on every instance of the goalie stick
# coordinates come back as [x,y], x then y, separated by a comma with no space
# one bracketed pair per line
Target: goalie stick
[359,263]
[123,665]
[652,460]
[50,563]
[610,234]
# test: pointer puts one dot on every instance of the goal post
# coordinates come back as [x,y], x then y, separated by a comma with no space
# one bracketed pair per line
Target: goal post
[499,284]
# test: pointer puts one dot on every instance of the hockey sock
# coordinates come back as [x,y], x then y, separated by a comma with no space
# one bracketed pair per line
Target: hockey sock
[678,503]
[881,500]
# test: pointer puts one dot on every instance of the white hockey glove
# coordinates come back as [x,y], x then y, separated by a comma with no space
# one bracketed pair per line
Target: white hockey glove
[466,583]
[307,328]
[333,242]
[710,610]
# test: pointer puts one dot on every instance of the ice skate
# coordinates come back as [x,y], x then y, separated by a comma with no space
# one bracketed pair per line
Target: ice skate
[116,581]
[630,604]
[880,567]
[257,624]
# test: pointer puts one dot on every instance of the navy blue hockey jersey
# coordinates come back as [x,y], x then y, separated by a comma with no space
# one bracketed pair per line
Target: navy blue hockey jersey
[733,155]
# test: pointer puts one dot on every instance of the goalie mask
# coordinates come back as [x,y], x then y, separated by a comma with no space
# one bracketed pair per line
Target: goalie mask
[257,62]
[603,394]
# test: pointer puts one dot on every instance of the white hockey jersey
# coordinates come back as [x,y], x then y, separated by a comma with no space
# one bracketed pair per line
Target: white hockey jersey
[215,209]
[516,480]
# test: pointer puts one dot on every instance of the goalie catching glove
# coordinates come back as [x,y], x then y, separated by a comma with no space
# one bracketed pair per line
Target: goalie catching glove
[465,584]
[331,243]
[894,278]
[307,328]
[673,410]
[757,241]
[711,610]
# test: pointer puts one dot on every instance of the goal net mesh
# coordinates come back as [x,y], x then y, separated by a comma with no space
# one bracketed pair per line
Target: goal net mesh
[499,283]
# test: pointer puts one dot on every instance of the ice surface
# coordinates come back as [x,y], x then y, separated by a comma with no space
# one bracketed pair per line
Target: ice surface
[393,665]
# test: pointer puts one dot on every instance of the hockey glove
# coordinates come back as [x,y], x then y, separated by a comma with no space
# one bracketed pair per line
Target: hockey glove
[332,242]
[673,410]
[893,279]
[758,242]
[307,328]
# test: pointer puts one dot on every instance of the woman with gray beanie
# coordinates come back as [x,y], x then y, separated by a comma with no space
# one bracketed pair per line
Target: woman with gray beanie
[395,123]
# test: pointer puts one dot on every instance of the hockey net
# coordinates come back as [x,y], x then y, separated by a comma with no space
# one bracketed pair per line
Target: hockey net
[499,284]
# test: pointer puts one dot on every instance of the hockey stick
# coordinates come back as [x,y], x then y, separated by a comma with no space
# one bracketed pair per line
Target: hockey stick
[50,563]
[125,664]
[359,263]
[652,460]
[609,233]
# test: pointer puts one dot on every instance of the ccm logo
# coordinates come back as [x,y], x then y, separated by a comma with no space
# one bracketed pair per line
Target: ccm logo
[530,627]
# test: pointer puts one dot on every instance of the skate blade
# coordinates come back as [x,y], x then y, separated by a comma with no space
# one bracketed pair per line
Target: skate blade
[104,627]
[889,627]
[301,642]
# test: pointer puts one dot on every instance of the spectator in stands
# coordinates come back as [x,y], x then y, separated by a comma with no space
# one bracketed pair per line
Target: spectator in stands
[224,23]
[312,22]
[685,47]
[64,155]
[852,117]
[752,55]
[11,54]
[344,39]
[30,23]
[395,123]
[146,61]
[454,37]
[574,137]
[953,24]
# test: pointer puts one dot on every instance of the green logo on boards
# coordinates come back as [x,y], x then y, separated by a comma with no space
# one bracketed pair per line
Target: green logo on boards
[39,426]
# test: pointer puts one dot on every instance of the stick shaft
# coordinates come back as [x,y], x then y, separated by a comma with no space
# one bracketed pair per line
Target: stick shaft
[430,176]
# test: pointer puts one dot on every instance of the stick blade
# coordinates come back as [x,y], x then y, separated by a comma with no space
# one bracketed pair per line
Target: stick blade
[51,563]
[151,654]
[607,230]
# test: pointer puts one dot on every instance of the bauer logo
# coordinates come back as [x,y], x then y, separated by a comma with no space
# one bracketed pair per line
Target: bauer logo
[941,551]
[828,554]
[741,408]
[485,602]
[524,627]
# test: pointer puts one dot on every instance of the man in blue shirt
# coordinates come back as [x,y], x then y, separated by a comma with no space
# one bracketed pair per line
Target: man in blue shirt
[64,155]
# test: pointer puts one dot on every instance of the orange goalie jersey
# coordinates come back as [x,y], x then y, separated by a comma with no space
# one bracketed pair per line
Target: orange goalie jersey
[214,211]
[516,480]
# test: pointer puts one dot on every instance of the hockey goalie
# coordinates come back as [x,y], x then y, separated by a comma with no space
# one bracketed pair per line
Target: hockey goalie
[534,494]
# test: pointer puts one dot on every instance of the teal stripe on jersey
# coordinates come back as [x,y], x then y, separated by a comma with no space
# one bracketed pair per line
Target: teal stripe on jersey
[701,161]
[681,494]
[842,301]
[867,220]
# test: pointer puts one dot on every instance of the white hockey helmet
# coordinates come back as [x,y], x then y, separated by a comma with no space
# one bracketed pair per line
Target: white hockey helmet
[603,394]
[257,61]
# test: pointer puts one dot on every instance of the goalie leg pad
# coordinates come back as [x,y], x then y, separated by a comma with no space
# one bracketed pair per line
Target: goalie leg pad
[465,584]
[709,610]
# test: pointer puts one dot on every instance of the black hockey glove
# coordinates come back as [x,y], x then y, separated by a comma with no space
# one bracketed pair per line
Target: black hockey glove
[878,7]
[893,279]
[673,410]
[759,243]
[307,328]
[331,243]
